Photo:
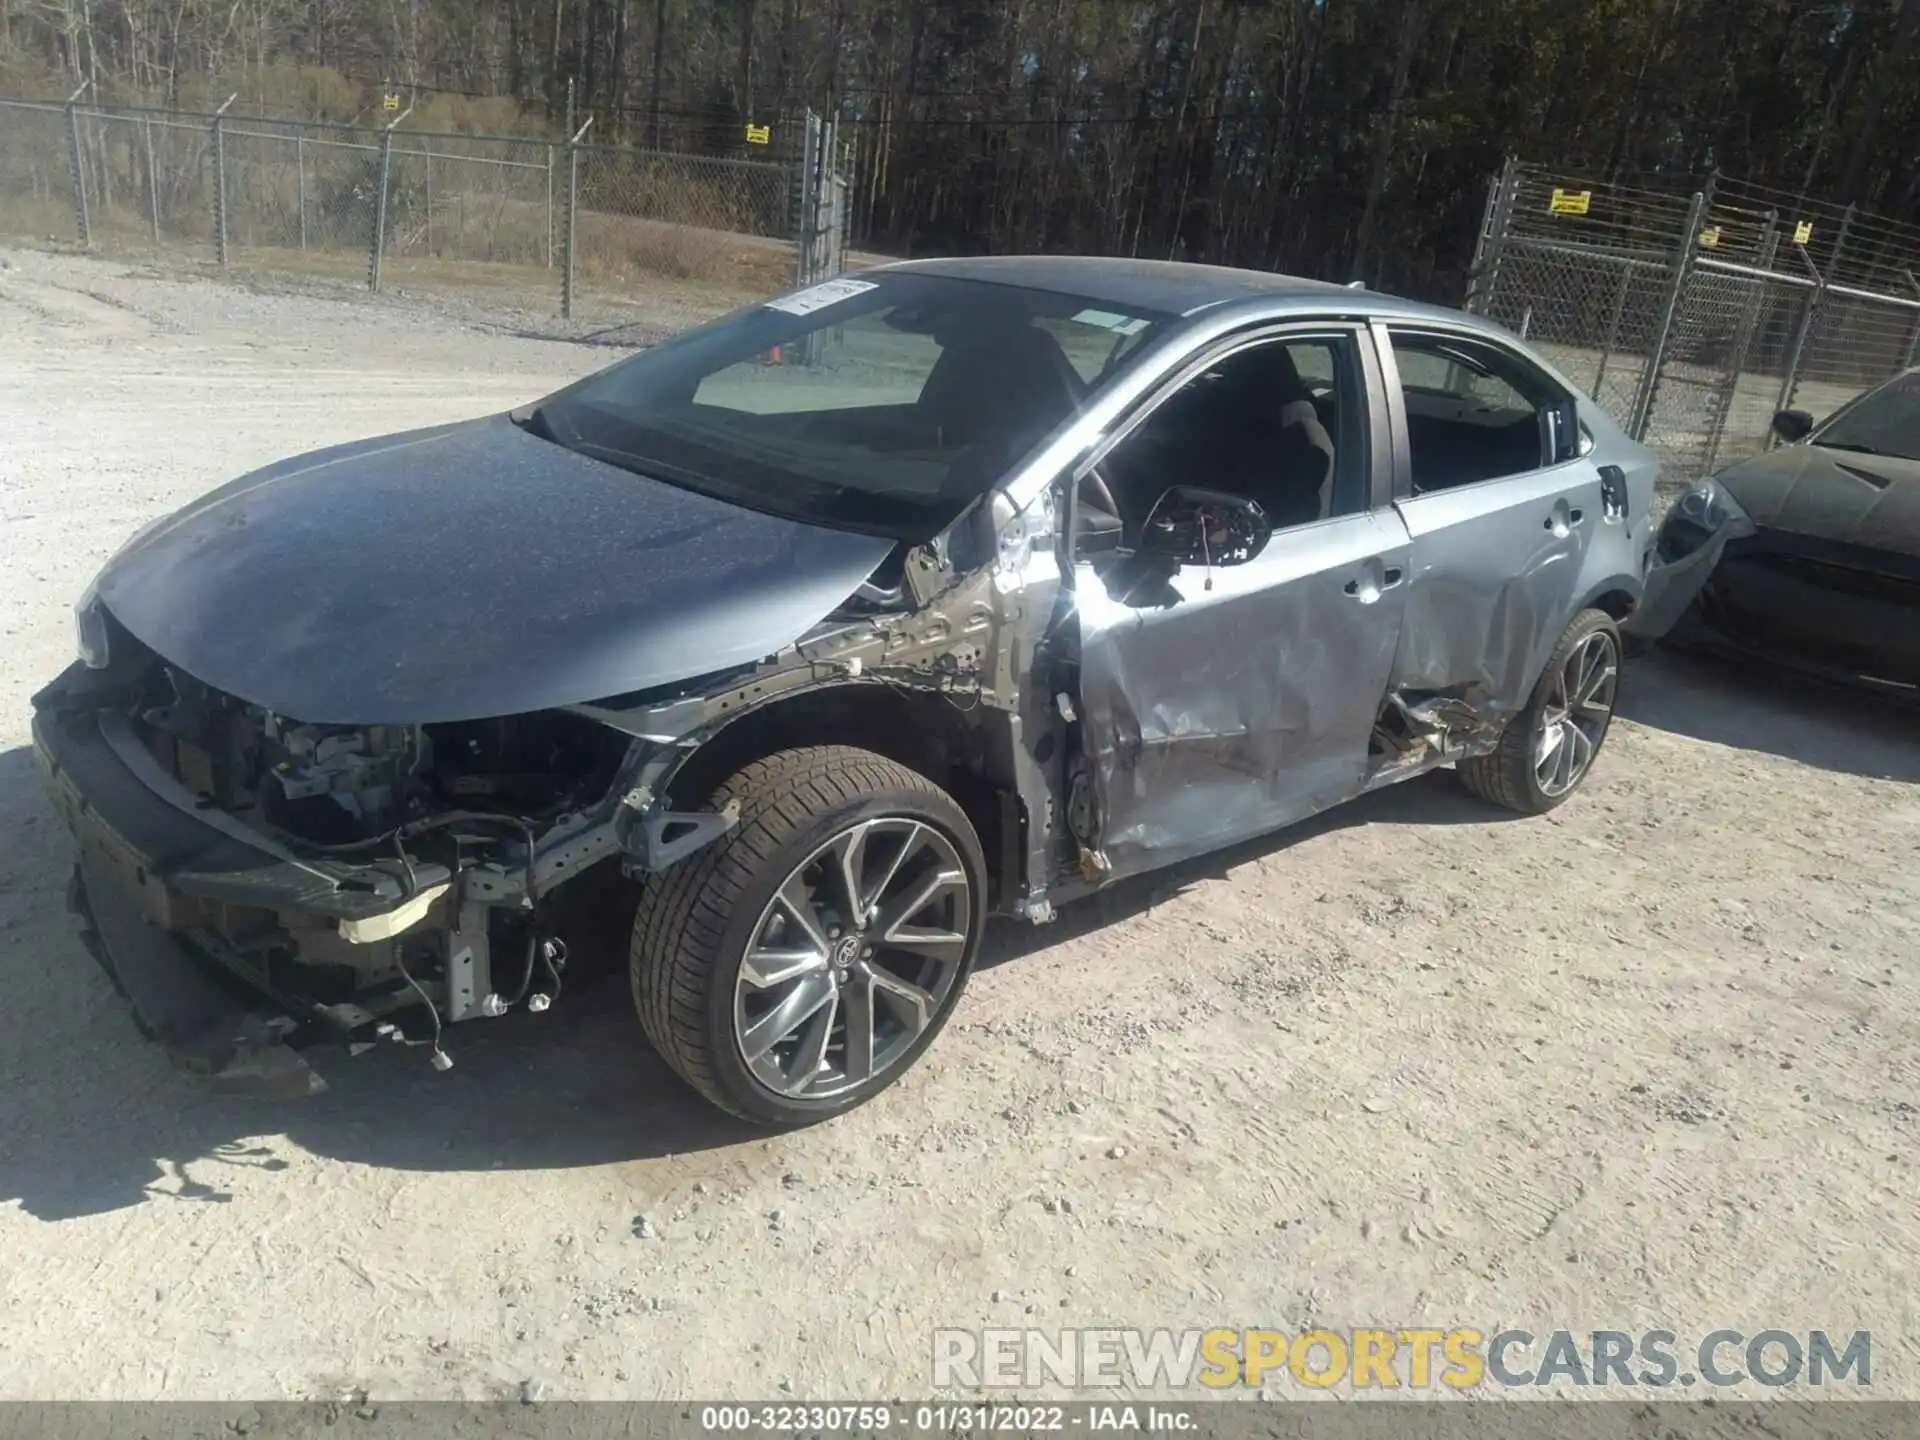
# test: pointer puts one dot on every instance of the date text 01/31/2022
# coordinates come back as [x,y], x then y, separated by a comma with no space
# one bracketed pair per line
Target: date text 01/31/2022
[943,1419]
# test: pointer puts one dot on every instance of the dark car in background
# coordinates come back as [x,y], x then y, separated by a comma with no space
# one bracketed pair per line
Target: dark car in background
[1807,555]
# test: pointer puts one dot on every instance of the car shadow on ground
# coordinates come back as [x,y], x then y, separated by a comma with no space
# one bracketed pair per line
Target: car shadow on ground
[94,1119]
[1746,705]
[576,1087]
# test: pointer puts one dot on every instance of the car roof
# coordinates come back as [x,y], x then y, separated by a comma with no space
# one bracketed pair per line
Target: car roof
[1172,286]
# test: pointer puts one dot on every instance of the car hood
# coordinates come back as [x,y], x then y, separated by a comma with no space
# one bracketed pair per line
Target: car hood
[1838,495]
[467,571]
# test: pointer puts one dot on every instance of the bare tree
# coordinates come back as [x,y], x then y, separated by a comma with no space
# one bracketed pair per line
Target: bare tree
[1410,19]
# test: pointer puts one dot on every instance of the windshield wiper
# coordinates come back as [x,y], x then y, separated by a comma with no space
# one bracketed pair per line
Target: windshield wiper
[1846,445]
[533,420]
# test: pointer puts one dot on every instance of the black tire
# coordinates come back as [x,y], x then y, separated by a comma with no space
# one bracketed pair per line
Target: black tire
[695,921]
[1507,776]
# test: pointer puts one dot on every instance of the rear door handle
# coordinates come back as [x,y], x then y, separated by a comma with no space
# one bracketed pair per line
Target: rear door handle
[1561,519]
[1367,586]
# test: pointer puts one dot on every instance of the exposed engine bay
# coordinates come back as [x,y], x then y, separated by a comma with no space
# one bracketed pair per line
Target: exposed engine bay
[343,785]
[409,857]
[397,813]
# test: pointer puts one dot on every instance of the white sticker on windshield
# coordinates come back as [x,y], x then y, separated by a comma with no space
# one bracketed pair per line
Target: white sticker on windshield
[1107,320]
[818,297]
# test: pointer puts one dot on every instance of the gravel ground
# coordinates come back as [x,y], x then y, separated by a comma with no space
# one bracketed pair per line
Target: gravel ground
[1648,1062]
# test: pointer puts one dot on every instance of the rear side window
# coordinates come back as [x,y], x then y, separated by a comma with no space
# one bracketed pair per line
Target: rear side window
[1477,412]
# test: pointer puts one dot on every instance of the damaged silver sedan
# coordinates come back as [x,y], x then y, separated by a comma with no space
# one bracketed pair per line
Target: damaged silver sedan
[815,637]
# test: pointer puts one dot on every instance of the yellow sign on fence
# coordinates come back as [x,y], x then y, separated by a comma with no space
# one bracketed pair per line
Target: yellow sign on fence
[1710,237]
[1803,232]
[389,102]
[759,134]
[1570,202]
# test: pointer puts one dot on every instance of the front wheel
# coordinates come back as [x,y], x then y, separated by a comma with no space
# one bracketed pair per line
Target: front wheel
[800,964]
[1549,747]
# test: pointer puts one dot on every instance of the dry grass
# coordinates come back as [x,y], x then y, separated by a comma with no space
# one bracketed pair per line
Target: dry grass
[618,249]
[31,217]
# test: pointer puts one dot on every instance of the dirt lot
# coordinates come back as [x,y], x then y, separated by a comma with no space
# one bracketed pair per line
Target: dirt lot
[1652,1061]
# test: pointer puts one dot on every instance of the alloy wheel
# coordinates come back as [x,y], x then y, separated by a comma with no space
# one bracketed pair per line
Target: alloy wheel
[853,958]
[1576,714]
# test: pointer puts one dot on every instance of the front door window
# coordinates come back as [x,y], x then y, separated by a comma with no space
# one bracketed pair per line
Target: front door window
[1280,423]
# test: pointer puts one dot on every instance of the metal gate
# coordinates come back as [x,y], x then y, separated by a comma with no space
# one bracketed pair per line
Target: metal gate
[822,211]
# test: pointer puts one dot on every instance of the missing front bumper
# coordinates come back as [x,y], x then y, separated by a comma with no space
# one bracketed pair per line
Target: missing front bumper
[150,872]
[177,1003]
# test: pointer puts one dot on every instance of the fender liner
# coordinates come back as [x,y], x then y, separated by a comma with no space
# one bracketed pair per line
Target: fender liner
[1632,586]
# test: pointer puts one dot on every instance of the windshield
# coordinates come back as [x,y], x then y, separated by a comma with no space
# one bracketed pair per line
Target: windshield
[1881,422]
[883,404]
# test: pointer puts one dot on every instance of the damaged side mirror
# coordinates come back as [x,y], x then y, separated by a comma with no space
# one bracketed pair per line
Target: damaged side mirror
[1192,526]
[1792,425]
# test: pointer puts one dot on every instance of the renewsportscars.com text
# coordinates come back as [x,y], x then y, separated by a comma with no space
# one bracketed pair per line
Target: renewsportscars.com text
[1394,1359]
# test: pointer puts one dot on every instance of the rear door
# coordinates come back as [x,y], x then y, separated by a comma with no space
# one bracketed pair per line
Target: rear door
[1501,508]
[1221,703]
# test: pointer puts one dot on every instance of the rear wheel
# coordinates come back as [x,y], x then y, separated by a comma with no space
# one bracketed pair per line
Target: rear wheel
[800,965]
[1549,748]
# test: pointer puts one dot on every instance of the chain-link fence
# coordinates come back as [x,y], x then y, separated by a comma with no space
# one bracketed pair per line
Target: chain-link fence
[544,216]
[1693,317]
